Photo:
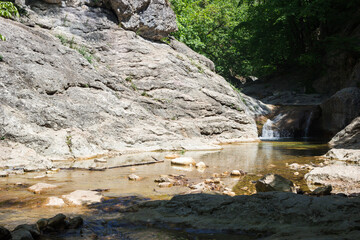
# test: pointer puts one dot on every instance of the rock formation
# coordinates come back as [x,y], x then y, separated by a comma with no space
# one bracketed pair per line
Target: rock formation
[272,215]
[73,84]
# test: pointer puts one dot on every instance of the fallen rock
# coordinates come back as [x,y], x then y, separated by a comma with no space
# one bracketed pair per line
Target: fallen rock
[274,182]
[322,191]
[133,177]
[184,161]
[83,197]
[54,202]
[4,233]
[41,187]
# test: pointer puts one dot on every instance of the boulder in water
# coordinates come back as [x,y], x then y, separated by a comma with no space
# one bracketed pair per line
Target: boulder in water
[83,197]
[4,233]
[184,161]
[41,187]
[274,182]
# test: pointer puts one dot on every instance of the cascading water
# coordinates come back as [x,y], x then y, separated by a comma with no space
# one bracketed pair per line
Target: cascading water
[269,130]
[308,122]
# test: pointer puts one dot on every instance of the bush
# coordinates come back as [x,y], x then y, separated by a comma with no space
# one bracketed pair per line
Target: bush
[7,10]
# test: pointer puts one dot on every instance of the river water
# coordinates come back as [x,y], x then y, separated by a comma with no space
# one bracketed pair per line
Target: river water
[17,205]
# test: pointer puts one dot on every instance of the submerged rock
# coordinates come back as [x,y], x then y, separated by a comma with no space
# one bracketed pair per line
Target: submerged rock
[54,202]
[41,187]
[274,182]
[83,197]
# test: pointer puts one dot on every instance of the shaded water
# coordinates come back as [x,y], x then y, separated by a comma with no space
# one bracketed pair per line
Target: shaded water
[18,206]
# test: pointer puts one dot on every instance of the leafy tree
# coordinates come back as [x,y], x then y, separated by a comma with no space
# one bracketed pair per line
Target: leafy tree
[7,10]
[260,37]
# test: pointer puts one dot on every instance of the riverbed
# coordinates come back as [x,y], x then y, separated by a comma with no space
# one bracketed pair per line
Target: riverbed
[18,205]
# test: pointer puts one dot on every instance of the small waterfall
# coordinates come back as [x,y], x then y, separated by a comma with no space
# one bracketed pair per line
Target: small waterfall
[269,130]
[308,122]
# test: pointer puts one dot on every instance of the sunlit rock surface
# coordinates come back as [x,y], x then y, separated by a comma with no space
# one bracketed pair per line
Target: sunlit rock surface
[75,85]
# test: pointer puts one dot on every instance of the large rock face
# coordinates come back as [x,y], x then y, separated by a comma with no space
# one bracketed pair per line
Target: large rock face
[339,110]
[79,86]
[152,19]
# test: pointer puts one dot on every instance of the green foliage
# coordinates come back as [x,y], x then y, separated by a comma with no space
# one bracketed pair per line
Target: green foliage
[85,52]
[69,142]
[7,10]
[252,37]
[1,58]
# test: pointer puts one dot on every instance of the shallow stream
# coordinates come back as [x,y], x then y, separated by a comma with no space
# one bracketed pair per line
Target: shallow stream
[17,205]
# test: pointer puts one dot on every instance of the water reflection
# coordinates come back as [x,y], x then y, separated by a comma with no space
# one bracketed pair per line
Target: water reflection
[255,158]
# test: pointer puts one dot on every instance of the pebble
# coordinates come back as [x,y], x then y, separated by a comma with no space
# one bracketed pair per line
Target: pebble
[244,188]
[201,165]
[133,177]
[296,173]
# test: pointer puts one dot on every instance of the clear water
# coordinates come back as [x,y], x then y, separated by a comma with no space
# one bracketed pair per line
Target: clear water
[18,206]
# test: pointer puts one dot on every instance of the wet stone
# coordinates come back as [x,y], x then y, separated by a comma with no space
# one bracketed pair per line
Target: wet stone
[75,222]
[42,224]
[32,228]
[322,191]
[274,182]
[4,233]
[133,177]
[21,234]
[58,222]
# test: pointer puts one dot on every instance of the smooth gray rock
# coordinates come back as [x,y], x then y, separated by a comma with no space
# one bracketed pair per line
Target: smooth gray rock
[136,95]
[274,182]
[153,19]
[274,215]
